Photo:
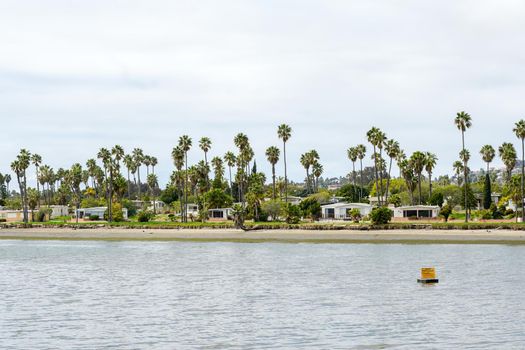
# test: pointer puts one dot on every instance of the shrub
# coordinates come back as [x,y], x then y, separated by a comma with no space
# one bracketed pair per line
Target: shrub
[446,211]
[355,215]
[42,213]
[381,216]
[311,208]
[93,217]
[172,217]
[116,210]
[436,199]
[2,220]
[145,216]
[292,213]
[273,208]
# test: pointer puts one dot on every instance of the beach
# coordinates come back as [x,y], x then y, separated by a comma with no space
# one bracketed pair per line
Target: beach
[420,236]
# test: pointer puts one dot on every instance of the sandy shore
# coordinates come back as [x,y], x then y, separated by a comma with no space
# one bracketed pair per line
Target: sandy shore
[290,236]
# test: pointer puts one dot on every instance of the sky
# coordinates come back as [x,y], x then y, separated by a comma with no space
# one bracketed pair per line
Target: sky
[76,76]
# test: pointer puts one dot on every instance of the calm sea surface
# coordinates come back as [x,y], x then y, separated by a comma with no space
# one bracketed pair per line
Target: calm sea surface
[171,295]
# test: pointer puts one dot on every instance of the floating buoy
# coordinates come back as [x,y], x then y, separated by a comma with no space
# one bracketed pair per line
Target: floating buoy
[428,275]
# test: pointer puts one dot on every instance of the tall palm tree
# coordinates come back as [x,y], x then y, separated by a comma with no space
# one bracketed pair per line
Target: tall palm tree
[153,161]
[7,179]
[372,137]
[352,154]
[205,146]
[138,158]
[417,162]
[153,183]
[272,154]
[231,160]
[185,145]
[118,154]
[177,154]
[105,156]
[218,171]
[317,171]
[128,163]
[430,164]
[147,162]
[508,155]
[458,169]
[519,131]
[361,153]
[463,121]
[306,165]
[19,167]
[36,159]
[487,153]
[284,132]
[392,149]
[380,140]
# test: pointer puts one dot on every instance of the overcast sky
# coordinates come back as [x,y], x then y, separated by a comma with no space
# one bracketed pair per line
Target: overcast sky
[79,75]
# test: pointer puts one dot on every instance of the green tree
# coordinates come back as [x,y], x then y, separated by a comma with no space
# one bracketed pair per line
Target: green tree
[430,164]
[487,153]
[361,153]
[33,197]
[36,159]
[185,145]
[284,132]
[19,167]
[417,162]
[463,121]
[272,155]
[153,184]
[507,153]
[392,149]
[519,131]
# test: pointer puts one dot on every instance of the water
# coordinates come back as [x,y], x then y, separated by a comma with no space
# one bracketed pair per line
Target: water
[173,295]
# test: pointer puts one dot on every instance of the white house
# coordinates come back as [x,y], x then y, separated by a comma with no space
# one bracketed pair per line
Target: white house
[341,210]
[84,213]
[220,213]
[417,211]
[59,210]
[192,209]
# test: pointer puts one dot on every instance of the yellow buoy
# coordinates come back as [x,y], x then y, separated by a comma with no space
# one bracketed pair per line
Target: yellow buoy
[428,275]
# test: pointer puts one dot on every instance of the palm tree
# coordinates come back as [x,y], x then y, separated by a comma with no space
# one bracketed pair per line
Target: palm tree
[306,165]
[407,172]
[519,131]
[118,154]
[128,163]
[430,164]
[177,154]
[218,171]
[272,154]
[284,132]
[138,158]
[361,153]
[153,183]
[463,122]
[153,161]
[372,137]
[147,162]
[105,156]
[36,159]
[458,169]
[487,153]
[230,159]
[317,171]
[7,179]
[392,149]
[19,167]
[508,155]
[205,145]
[185,145]
[352,154]
[417,162]
[380,140]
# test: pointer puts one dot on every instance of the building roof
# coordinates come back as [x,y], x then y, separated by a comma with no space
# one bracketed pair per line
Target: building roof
[345,204]
[412,207]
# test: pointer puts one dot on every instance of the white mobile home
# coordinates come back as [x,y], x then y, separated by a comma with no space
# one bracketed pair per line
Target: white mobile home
[417,211]
[341,210]
[85,213]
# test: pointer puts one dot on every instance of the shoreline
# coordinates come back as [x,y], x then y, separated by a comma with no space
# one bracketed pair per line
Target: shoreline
[414,236]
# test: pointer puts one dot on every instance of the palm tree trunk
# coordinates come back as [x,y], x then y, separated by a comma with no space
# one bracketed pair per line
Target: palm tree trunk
[138,177]
[381,177]
[522,177]
[285,175]
[419,186]
[129,185]
[375,177]
[353,179]
[361,180]
[230,172]
[307,182]
[273,180]
[465,175]
[429,185]
[388,181]
[185,187]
